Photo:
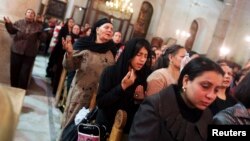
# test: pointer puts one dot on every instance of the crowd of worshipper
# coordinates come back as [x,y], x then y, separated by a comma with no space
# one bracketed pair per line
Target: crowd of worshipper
[168,94]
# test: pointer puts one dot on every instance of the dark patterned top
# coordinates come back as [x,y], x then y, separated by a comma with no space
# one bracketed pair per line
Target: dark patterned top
[235,115]
[26,38]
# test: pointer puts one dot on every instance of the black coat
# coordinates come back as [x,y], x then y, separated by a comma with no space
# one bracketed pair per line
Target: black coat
[159,118]
[111,97]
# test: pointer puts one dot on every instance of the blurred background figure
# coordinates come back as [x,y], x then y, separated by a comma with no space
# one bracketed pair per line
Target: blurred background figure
[238,114]
[54,68]
[224,98]
[167,71]
[119,46]
[27,34]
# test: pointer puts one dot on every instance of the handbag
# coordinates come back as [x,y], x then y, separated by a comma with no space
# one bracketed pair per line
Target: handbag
[88,132]
[72,131]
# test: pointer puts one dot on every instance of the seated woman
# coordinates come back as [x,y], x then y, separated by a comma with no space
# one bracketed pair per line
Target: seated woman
[239,114]
[122,86]
[180,111]
[169,71]
[224,98]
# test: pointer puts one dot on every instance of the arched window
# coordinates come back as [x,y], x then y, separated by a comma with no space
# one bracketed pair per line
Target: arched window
[193,31]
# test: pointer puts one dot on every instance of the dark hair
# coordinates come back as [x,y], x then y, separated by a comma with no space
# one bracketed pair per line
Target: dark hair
[163,60]
[67,21]
[196,67]
[191,53]
[242,91]
[153,53]
[65,27]
[132,47]
[241,73]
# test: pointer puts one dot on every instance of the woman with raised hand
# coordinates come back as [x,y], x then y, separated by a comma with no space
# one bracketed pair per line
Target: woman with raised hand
[180,111]
[27,33]
[89,57]
[123,85]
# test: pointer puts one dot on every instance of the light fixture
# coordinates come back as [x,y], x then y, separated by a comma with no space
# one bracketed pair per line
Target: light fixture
[247,38]
[224,51]
[123,6]
[182,34]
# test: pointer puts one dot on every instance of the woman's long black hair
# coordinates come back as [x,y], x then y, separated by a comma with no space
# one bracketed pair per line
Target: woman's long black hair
[132,47]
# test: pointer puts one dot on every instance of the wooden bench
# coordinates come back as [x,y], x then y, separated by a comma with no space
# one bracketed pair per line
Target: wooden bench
[119,123]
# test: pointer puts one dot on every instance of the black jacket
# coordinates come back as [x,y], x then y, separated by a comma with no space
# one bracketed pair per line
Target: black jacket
[160,118]
[235,115]
[111,97]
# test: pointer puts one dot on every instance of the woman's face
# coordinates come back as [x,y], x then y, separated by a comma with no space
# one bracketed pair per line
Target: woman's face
[203,90]
[117,37]
[158,53]
[176,59]
[76,29]
[30,15]
[228,76]
[105,32]
[71,23]
[139,60]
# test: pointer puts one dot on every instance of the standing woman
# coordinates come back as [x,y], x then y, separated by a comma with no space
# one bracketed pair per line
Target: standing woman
[180,111]
[123,85]
[27,33]
[90,56]
[75,35]
[54,68]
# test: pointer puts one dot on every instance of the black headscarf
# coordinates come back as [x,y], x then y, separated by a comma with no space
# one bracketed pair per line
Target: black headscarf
[131,49]
[89,41]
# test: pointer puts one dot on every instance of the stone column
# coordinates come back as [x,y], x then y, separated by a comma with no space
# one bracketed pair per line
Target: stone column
[221,29]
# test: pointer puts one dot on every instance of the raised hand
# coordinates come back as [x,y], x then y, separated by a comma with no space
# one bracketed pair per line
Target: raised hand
[139,92]
[128,79]
[67,45]
[6,19]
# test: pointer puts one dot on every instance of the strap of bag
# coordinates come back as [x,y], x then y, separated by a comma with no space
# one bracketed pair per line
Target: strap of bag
[89,125]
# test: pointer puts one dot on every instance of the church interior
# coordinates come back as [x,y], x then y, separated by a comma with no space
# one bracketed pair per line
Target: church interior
[218,29]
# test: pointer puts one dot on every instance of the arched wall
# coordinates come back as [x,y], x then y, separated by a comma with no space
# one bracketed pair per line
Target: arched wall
[201,43]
